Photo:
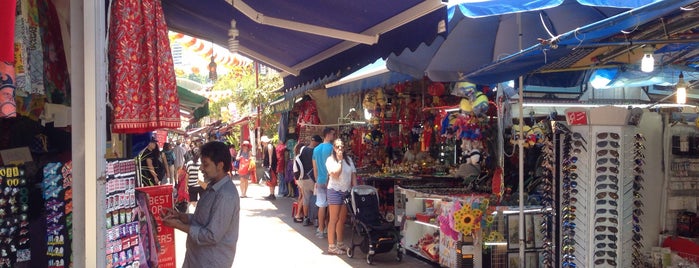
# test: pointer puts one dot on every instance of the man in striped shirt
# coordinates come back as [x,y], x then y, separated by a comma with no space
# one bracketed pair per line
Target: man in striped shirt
[194,181]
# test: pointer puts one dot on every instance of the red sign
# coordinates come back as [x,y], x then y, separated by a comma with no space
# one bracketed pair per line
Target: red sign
[576,118]
[160,197]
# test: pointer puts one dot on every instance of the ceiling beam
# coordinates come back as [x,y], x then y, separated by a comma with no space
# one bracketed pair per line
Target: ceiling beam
[302,27]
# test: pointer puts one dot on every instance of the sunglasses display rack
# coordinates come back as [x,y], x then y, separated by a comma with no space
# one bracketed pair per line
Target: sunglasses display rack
[14,218]
[547,215]
[58,199]
[600,203]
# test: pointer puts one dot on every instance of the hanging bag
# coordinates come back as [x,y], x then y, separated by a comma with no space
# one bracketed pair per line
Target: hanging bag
[244,166]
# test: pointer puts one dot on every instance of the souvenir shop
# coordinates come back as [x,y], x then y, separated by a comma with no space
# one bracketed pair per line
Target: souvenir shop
[444,159]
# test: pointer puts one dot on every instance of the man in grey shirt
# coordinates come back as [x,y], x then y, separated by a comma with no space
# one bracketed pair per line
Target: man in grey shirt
[212,231]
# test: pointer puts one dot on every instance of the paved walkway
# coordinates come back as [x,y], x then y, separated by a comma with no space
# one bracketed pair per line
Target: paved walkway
[270,238]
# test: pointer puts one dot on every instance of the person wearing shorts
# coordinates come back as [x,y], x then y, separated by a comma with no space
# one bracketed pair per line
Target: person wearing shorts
[243,159]
[306,181]
[342,175]
[193,180]
[320,156]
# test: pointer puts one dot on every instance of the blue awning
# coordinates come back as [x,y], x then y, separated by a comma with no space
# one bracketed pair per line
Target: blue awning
[570,43]
[308,57]
[485,8]
[371,76]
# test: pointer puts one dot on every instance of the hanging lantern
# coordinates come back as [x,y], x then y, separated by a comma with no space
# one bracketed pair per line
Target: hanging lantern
[399,88]
[212,70]
[436,89]
[233,43]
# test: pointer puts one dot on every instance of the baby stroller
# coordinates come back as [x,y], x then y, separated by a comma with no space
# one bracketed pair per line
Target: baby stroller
[370,231]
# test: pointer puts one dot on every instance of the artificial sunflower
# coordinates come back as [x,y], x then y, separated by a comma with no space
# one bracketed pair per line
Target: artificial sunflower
[489,219]
[495,236]
[464,220]
[478,213]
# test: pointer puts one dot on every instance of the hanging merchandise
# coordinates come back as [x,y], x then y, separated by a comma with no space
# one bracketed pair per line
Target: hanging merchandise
[123,241]
[307,113]
[140,106]
[56,81]
[57,193]
[7,69]
[14,218]
[436,90]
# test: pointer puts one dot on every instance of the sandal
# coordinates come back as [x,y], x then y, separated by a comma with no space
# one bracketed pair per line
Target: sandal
[335,251]
[298,220]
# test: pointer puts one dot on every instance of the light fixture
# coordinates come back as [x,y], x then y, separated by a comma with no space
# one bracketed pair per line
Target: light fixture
[681,87]
[212,69]
[233,43]
[648,62]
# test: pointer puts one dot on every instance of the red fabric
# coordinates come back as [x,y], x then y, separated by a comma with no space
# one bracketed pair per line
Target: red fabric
[8,107]
[142,86]
[684,247]
[56,81]
[7,30]
[182,188]
[281,161]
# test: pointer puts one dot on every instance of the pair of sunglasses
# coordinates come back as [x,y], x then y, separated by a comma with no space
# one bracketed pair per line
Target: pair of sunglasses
[604,211]
[603,152]
[601,178]
[602,245]
[601,253]
[602,161]
[605,202]
[611,237]
[604,135]
[610,143]
[607,185]
[613,195]
[610,219]
[609,261]
[602,169]
[602,228]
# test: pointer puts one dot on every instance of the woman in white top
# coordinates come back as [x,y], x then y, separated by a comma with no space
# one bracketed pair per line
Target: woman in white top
[342,176]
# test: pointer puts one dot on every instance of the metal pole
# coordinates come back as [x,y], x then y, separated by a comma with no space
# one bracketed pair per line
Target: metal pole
[520,142]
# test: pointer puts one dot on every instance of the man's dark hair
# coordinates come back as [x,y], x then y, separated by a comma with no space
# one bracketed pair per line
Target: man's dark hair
[327,131]
[218,152]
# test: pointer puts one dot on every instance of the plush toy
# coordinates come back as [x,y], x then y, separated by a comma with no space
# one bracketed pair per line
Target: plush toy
[463,89]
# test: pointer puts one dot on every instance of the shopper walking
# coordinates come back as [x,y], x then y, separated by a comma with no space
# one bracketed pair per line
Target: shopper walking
[243,159]
[269,162]
[194,180]
[320,156]
[212,231]
[342,175]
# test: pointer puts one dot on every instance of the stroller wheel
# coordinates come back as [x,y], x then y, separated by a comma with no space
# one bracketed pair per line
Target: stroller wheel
[370,259]
[350,252]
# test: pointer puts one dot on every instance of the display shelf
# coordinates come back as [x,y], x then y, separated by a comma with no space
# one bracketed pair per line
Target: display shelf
[418,252]
[424,223]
